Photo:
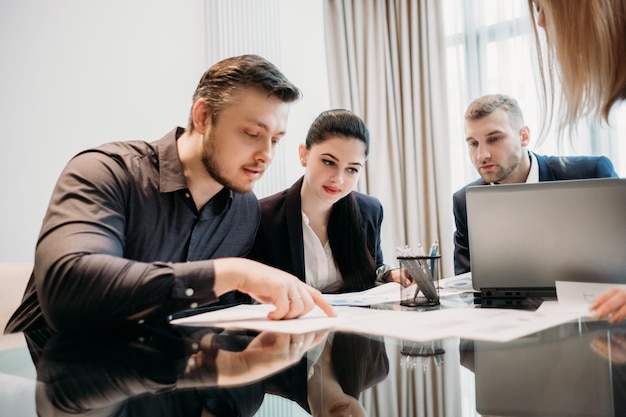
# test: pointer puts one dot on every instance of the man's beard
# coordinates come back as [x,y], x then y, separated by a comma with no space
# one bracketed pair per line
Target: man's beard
[212,166]
[502,174]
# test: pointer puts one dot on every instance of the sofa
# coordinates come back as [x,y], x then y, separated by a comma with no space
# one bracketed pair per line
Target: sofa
[13,279]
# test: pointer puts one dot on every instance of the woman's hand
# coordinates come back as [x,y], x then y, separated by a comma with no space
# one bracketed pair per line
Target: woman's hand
[610,305]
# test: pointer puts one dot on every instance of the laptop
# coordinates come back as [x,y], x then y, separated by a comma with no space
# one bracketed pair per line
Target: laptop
[524,237]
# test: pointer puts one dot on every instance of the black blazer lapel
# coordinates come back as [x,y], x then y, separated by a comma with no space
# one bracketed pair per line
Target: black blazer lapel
[293,214]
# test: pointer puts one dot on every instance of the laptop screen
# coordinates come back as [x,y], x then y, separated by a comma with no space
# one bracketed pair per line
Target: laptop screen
[527,236]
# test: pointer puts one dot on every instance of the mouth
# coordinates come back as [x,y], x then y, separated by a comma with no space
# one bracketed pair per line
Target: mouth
[254,173]
[331,190]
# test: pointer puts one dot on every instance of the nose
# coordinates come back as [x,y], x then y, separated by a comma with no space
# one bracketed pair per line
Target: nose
[482,153]
[337,178]
[265,153]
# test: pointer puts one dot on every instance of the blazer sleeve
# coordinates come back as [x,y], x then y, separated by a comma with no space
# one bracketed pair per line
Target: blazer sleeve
[461,240]
[605,169]
[372,213]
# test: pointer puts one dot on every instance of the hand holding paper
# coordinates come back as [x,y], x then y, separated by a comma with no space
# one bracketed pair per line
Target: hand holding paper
[604,300]
[611,305]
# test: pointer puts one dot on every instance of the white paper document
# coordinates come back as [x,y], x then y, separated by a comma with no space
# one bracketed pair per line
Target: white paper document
[456,284]
[498,325]
[390,292]
[380,294]
[578,296]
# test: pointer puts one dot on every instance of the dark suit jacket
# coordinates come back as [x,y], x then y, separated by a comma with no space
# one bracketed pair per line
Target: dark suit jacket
[551,168]
[279,241]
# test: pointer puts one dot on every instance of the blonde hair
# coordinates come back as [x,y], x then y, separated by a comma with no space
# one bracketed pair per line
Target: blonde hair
[586,50]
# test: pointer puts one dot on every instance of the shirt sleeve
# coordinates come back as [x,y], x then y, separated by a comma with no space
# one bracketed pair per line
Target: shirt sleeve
[81,273]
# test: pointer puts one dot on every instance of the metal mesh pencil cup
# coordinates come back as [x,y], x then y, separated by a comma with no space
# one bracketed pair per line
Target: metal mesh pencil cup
[424,272]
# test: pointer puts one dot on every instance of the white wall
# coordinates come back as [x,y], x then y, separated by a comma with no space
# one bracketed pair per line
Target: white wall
[77,73]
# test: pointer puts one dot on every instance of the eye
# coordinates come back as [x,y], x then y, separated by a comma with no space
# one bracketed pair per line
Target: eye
[472,144]
[252,134]
[353,170]
[328,162]
[493,139]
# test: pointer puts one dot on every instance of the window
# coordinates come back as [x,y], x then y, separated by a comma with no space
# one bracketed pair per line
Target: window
[490,49]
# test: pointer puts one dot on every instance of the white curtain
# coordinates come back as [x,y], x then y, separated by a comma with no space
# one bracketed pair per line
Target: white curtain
[386,63]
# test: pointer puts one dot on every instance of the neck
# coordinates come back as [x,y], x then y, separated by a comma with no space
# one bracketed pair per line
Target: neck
[201,185]
[524,167]
[316,210]
[521,173]
[318,213]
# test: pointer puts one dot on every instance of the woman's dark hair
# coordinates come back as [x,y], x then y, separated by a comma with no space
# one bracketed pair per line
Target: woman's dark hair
[346,234]
[360,362]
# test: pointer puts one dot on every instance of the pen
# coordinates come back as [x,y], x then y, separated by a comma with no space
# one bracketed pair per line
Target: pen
[434,248]
[420,252]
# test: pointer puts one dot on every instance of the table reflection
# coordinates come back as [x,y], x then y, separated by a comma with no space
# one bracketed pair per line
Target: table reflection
[187,371]
[577,368]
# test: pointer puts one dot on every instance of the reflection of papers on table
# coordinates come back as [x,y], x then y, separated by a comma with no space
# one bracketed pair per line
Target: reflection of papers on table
[497,325]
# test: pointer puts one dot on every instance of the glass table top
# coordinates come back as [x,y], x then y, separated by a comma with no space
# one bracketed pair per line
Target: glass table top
[574,369]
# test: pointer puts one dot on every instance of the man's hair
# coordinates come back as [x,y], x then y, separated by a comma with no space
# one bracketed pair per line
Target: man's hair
[486,105]
[219,83]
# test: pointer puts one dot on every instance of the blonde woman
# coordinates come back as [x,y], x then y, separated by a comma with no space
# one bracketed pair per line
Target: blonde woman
[586,50]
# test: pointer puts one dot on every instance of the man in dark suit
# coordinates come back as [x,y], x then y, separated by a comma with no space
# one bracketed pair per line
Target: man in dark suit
[497,142]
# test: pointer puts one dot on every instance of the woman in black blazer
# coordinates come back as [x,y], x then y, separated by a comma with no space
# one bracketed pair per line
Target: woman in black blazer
[319,229]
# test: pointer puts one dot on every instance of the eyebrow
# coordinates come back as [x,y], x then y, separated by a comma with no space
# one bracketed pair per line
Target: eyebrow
[330,155]
[493,132]
[265,127]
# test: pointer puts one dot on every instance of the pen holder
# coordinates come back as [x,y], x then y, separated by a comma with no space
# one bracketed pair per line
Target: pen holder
[416,354]
[423,291]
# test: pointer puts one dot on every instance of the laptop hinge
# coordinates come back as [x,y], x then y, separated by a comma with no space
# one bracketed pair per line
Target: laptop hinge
[500,292]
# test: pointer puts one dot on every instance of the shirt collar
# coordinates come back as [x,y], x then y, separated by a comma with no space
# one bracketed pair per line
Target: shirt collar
[171,175]
[533,175]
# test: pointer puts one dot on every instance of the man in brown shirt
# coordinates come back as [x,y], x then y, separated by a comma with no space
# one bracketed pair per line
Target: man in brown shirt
[138,231]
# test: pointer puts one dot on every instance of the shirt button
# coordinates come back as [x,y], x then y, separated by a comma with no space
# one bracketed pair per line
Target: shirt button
[195,346]
[193,305]
[189,292]
[142,321]
[187,195]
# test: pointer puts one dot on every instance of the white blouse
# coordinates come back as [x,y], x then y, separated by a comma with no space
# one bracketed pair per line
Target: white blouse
[319,265]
